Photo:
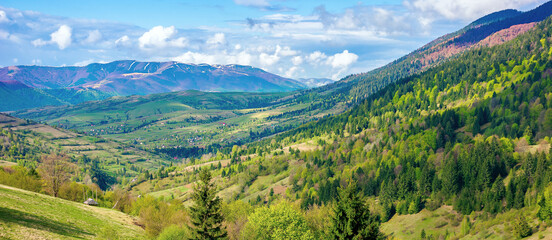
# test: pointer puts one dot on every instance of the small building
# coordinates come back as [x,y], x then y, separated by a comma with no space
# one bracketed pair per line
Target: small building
[91,202]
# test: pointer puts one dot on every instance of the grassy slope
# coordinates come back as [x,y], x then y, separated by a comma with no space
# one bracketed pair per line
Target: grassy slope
[445,220]
[29,215]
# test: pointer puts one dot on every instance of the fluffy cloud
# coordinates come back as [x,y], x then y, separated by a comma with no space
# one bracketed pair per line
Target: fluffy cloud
[160,37]
[468,10]
[268,60]
[316,57]
[342,60]
[217,39]
[297,60]
[93,36]
[61,37]
[291,72]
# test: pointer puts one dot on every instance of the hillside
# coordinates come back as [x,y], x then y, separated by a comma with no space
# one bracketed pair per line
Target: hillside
[35,86]
[30,215]
[488,30]
[470,137]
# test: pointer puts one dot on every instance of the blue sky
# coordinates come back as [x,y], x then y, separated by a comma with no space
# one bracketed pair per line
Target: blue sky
[292,38]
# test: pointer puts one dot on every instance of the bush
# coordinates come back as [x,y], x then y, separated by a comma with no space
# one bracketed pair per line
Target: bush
[20,177]
[174,232]
[280,221]
[521,227]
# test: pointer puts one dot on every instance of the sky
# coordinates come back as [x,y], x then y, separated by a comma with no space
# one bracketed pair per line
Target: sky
[291,38]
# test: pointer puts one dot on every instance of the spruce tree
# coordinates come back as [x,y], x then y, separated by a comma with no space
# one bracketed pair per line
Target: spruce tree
[206,216]
[351,217]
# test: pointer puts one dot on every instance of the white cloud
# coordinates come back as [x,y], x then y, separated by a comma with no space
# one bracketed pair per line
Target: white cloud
[122,41]
[342,60]
[268,60]
[468,10]
[193,57]
[238,46]
[291,72]
[62,37]
[3,17]
[39,42]
[217,39]
[297,60]
[93,36]
[160,37]
[36,61]
[316,57]
[284,51]
[242,58]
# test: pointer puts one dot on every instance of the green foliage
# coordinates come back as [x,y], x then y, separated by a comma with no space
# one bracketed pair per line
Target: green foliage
[521,228]
[465,226]
[174,232]
[545,204]
[21,177]
[280,221]
[206,216]
[351,217]
[156,215]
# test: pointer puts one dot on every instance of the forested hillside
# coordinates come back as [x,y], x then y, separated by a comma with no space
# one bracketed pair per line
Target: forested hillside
[458,150]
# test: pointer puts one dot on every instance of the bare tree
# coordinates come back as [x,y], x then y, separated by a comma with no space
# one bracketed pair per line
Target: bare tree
[55,170]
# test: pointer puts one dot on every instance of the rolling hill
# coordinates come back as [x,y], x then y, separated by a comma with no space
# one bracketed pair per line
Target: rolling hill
[30,215]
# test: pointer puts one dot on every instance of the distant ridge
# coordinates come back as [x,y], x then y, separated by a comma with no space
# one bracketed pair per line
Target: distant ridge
[37,86]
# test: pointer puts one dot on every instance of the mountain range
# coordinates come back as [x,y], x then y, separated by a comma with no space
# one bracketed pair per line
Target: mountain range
[40,86]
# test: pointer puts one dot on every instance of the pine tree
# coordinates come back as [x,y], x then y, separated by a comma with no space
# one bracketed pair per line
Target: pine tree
[206,216]
[351,217]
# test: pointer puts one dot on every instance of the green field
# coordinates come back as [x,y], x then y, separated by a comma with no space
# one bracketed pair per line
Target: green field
[29,215]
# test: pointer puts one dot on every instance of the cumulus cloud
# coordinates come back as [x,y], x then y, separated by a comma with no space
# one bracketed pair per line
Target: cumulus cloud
[468,10]
[61,37]
[217,39]
[93,36]
[316,57]
[342,60]
[291,72]
[268,60]
[297,60]
[161,37]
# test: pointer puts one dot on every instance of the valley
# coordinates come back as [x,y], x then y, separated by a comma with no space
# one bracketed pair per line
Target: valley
[451,141]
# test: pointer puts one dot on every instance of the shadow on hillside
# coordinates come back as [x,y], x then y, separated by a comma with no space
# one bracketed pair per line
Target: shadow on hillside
[8,215]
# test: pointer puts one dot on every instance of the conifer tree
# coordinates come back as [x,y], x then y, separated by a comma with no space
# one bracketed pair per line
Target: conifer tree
[206,216]
[351,217]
